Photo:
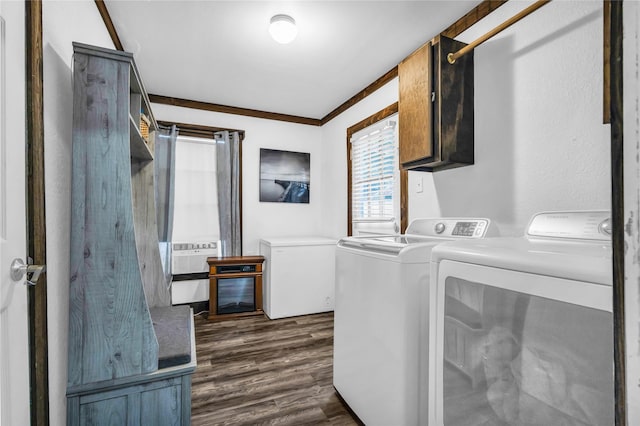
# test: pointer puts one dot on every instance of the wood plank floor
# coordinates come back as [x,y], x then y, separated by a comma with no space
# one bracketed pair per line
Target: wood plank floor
[259,371]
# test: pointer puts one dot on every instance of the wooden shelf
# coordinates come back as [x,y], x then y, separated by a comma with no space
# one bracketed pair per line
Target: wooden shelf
[114,349]
[139,148]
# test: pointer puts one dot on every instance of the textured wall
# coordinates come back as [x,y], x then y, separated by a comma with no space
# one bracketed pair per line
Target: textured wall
[631,84]
[539,139]
[334,159]
[540,142]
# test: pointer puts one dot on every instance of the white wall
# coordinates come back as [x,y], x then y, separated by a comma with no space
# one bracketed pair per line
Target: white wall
[631,149]
[334,159]
[334,140]
[539,139]
[63,22]
[261,220]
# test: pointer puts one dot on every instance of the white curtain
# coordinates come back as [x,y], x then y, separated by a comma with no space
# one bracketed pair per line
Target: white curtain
[196,196]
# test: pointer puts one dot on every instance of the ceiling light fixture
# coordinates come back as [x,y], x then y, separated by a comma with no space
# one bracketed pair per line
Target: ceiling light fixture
[283,29]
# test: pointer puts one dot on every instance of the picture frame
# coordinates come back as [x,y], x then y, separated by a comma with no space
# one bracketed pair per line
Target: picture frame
[285,176]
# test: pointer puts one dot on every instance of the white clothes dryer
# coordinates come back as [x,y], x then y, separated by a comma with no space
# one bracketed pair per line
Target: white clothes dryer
[377,315]
[523,327]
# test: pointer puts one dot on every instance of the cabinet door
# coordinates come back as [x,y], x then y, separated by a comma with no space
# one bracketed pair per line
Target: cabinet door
[415,106]
[161,406]
[107,412]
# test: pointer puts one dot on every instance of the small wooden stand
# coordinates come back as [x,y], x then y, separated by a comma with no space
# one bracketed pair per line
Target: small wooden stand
[222,268]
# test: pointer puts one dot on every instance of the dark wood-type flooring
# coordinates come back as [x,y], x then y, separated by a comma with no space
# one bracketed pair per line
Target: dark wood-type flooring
[258,371]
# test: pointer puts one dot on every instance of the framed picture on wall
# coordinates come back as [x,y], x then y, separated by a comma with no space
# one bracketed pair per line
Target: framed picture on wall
[284,176]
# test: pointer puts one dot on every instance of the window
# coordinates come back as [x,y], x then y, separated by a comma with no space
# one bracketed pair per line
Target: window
[374,178]
[373,167]
[195,217]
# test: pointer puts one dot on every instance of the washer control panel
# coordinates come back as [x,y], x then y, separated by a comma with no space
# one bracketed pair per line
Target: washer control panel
[450,227]
[468,229]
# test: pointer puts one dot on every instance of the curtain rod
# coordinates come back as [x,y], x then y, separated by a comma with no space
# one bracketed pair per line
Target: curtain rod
[451,57]
[197,130]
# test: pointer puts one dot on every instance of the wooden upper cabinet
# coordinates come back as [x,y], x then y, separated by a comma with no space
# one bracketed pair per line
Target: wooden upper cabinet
[414,105]
[436,108]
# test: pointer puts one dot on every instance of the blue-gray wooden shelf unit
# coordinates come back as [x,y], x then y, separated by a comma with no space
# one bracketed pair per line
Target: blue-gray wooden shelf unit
[119,301]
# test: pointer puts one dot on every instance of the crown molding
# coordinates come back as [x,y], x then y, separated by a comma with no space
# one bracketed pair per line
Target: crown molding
[462,24]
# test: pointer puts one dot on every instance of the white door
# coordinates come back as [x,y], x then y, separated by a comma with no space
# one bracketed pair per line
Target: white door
[14,355]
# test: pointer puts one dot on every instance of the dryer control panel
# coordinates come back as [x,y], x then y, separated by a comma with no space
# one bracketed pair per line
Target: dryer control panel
[583,225]
[450,227]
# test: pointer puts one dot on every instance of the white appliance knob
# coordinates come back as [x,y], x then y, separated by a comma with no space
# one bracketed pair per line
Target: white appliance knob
[605,226]
[439,228]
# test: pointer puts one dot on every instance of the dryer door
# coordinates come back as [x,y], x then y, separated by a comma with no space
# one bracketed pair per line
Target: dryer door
[516,348]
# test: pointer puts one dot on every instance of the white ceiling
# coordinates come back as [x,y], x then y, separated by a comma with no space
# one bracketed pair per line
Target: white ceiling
[221,52]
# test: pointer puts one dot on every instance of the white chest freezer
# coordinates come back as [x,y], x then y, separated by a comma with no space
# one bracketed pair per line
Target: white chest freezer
[298,275]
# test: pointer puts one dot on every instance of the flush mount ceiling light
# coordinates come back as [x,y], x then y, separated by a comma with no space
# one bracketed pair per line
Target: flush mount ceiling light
[283,29]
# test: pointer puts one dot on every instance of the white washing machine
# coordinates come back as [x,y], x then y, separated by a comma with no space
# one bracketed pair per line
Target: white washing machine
[377,315]
[523,327]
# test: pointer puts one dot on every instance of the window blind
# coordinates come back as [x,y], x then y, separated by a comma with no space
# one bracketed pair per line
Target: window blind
[373,169]
[195,216]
